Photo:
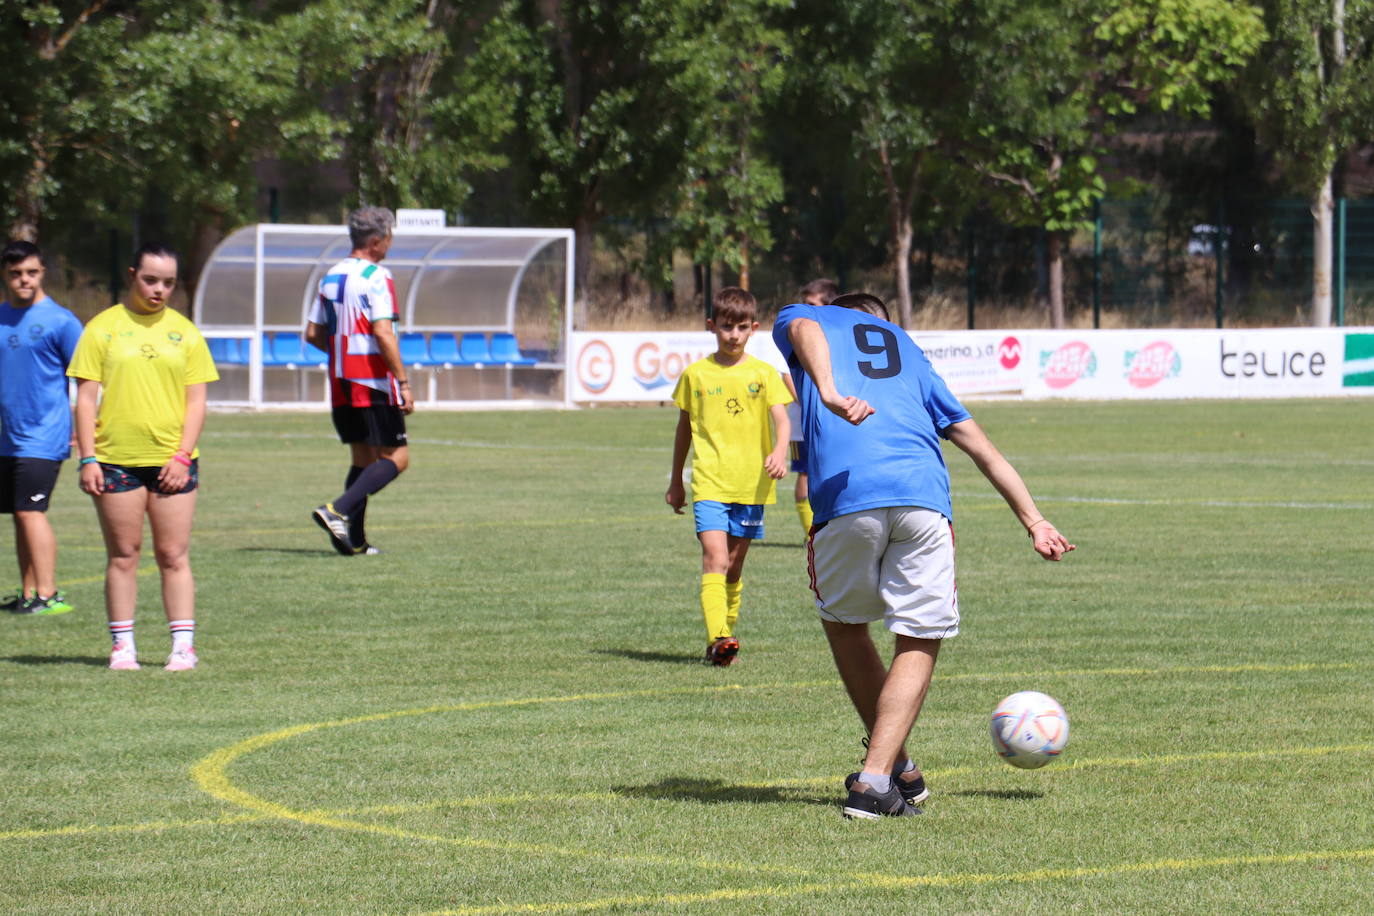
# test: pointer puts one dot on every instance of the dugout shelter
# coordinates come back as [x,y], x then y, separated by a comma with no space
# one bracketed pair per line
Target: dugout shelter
[485,315]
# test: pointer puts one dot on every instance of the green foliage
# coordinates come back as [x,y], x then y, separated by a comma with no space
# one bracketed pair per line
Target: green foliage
[1309,102]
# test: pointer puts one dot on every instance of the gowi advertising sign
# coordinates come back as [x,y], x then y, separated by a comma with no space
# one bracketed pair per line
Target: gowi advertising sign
[645,365]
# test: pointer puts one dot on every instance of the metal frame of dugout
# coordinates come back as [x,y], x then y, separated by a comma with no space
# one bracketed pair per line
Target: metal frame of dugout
[486,314]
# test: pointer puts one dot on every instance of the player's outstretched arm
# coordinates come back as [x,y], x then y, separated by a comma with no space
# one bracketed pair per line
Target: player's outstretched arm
[813,352]
[682,441]
[971,439]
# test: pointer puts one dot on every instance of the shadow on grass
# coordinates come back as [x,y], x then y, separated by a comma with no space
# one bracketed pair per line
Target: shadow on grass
[714,791]
[92,660]
[1004,794]
[639,655]
[303,551]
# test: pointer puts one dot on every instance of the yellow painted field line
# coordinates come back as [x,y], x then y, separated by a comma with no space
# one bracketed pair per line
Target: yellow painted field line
[908,882]
[92,580]
[533,798]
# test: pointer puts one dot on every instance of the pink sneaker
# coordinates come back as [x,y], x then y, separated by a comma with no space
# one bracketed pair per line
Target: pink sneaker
[182,659]
[122,658]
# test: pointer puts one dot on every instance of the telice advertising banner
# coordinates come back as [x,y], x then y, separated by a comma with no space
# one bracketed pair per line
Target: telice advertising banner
[628,366]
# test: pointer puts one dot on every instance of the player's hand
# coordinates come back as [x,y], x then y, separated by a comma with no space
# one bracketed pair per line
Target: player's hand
[407,400]
[173,477]
[852,409]
[775,466]
[676,496]
[92,479]
[1048,542]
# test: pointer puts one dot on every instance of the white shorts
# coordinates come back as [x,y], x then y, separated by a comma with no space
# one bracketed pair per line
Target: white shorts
[893,563]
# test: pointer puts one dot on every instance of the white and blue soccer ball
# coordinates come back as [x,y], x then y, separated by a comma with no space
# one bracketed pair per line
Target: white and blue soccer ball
[1029,729]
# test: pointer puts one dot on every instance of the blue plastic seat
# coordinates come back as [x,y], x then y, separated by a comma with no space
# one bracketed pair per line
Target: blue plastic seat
[473,349]
[221,349]
[414,349]
[288,349]
[505,349]
[443,349]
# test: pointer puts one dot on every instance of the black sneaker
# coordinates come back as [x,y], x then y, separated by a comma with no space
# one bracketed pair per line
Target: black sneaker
[868,803]
[14,603]
[913,790]
[336,526]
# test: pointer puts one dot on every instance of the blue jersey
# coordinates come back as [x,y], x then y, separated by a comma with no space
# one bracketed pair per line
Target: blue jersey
[893,458]
[36,344]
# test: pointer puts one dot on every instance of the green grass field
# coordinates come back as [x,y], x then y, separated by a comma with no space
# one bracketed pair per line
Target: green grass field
[505,713]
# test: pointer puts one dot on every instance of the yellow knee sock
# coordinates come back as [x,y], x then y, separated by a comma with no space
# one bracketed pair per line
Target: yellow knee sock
[713,605]
[732,592]
[804,513]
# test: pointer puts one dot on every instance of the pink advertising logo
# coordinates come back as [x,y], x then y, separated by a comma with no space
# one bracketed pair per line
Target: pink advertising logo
[1071,362]
[596,366]
[655,367]
[1009,353]
[1152,364]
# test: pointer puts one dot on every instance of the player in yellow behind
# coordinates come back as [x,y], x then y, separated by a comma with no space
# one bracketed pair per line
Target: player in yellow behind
[726,402]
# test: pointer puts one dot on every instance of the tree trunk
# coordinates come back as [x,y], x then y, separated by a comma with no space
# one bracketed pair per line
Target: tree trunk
[899,215]
[205,235]
[1323,231]
[902,256]
[29,197]
[584,237]
[744,264]
[1055,256]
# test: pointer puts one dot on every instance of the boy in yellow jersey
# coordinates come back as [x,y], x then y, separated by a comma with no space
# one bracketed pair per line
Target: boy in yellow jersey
[726,401]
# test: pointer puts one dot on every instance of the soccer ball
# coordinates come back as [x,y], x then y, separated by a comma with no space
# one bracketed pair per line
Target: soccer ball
[1029,729]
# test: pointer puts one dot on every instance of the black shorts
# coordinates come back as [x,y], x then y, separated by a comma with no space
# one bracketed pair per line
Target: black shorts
[26,484]
[121,478]
[384,425]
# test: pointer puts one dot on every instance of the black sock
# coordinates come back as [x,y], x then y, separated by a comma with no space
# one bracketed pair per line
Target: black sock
[372,478]
[357,521]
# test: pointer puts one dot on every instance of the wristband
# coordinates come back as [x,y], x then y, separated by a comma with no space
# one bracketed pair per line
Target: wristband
[181,459]
[404,383]
[86,461]
[1030,529]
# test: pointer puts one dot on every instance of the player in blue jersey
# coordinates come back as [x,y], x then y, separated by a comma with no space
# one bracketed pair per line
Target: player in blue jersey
[35,421]
[883,543]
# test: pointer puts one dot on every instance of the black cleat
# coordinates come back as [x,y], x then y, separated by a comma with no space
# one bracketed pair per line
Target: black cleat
[913,790]
[867,803]
[336,526]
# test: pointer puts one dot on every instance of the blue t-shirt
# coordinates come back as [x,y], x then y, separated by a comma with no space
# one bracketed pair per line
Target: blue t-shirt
[893,458]
[36,344]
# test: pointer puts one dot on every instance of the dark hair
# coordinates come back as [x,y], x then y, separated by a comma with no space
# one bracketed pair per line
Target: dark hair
[863,302]
[824,287]
[156,249]
[20,250]
[733,305]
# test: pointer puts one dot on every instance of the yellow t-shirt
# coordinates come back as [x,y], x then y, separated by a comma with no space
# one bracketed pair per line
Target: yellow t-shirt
[143,364]
[731,432]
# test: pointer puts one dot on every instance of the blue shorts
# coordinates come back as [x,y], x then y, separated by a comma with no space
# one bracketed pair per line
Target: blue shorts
[736,519]
[797,449]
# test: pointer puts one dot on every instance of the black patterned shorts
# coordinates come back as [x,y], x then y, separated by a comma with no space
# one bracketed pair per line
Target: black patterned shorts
[120,479]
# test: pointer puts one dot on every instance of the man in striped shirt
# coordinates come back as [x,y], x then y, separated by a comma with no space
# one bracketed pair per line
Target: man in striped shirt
[353,320]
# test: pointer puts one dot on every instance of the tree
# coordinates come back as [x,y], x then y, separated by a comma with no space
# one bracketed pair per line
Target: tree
[1069,74]
[53,52]
[1311,98]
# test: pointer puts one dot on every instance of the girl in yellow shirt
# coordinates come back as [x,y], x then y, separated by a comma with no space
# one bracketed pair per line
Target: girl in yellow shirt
[141,373]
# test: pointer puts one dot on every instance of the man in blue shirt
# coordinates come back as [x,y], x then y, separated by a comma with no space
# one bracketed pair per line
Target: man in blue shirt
[882,546]
[37,338]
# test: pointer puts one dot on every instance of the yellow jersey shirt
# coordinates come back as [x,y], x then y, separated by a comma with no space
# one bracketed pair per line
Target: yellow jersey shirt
[731,428]
[143,364]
